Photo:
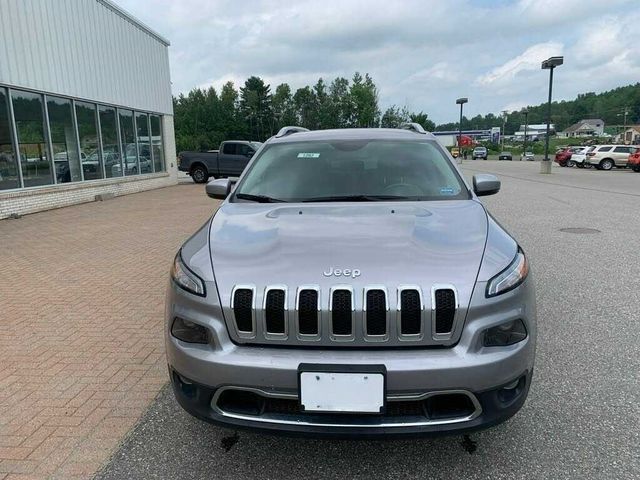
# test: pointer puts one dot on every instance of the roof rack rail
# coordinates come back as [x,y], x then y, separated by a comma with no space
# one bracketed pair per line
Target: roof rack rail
[284,131]
[415,127]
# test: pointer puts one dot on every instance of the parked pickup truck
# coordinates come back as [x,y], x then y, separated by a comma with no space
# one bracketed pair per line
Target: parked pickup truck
[229,161]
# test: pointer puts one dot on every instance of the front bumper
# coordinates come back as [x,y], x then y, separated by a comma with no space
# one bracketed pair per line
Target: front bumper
[490,408]
[200,372]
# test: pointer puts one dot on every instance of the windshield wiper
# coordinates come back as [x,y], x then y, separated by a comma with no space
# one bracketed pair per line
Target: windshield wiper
[258,198]
[356,198]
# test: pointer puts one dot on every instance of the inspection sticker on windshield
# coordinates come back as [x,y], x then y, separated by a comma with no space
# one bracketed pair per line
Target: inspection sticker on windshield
[308,155]
[447,191]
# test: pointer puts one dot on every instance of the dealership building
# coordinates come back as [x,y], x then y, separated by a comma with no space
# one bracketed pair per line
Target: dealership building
[85,105]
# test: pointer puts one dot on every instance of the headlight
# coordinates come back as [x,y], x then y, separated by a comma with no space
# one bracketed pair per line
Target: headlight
[505,334]
[510,277]
[185,278]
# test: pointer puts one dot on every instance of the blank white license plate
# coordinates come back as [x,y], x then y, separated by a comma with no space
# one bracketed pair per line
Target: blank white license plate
[342,392]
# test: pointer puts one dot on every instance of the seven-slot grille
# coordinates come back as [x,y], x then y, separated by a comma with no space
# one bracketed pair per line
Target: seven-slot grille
[302,319]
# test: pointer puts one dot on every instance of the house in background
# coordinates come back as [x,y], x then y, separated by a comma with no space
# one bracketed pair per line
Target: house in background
[589,127]
[631,136]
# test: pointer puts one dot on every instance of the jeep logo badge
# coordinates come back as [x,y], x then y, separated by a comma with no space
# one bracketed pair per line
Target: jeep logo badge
[344,272]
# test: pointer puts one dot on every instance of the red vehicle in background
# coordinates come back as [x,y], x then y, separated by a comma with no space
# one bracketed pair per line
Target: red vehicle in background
[563,158]
[634,161]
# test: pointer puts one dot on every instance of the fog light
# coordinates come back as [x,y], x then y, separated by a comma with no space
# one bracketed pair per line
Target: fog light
[505,334]
[189,332]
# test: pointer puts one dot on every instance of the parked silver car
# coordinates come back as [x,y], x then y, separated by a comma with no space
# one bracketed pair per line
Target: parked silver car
[351,284]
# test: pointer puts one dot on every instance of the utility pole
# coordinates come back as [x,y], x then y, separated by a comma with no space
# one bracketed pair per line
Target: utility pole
[624,128]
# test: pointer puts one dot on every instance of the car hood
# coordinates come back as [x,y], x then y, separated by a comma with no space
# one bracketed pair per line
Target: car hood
[390,244]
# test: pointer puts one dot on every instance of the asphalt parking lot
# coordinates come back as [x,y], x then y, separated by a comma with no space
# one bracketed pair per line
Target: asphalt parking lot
[582,417]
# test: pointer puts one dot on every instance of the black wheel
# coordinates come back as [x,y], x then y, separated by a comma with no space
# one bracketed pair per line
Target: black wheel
[606,164]
[636,168]
[580,165]
[570,163]
[199,174]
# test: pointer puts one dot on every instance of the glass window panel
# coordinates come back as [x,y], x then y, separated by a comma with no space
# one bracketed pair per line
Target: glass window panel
[9,177]
[110,146]
[34,158]
[157,144]
[89,145]
[128,142]
[144,147]
[63,140]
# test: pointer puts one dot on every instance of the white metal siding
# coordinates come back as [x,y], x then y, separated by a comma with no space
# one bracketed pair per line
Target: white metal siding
[83,49]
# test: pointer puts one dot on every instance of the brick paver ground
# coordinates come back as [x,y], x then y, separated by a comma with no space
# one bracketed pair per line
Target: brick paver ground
[81,346]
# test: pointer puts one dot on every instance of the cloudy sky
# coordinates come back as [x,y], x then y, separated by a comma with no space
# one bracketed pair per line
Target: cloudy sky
[422,54]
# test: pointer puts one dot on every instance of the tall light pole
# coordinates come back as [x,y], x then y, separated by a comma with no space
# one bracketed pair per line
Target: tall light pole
[504,125]
[524,145]
[624,127]
[549,64]
[461,102]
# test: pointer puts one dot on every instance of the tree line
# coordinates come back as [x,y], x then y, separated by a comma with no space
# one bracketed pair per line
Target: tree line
[608,106]
[206,117]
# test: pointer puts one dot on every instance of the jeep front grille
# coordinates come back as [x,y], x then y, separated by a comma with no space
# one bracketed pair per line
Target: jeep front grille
[410,312]
[445,311]
[308,312]
[376,312]
[375,315]
[243,309]
[275,311]
[341,312]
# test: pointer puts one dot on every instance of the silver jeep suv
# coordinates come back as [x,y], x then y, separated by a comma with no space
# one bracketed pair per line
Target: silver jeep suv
[352,284]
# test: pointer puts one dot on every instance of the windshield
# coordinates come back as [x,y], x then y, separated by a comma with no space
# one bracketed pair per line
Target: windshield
[345,170]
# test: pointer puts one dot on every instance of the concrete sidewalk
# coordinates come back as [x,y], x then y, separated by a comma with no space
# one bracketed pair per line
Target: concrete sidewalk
[81,302]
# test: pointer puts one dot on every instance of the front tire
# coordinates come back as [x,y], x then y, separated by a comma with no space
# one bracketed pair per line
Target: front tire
[199,174]
[606,164]
[571,163]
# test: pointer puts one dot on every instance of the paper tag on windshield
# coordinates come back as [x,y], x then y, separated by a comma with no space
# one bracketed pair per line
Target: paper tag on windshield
[308,155]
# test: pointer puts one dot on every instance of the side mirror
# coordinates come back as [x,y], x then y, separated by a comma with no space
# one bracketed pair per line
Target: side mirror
[220,188]
[485,184]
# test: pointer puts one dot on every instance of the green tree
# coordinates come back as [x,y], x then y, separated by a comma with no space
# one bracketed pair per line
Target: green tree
[284,110]
[306,107]
[394,116]
[423,119]
[364,95]
[255,106]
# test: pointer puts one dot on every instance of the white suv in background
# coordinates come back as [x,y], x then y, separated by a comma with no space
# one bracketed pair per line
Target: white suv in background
[605,157]
[579,156]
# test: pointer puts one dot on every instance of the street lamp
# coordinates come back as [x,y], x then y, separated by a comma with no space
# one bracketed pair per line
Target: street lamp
[504,125]
[524,145]
[461,102]
[549,64]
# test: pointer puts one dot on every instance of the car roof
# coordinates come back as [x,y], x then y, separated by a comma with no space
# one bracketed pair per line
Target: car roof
[353,134]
